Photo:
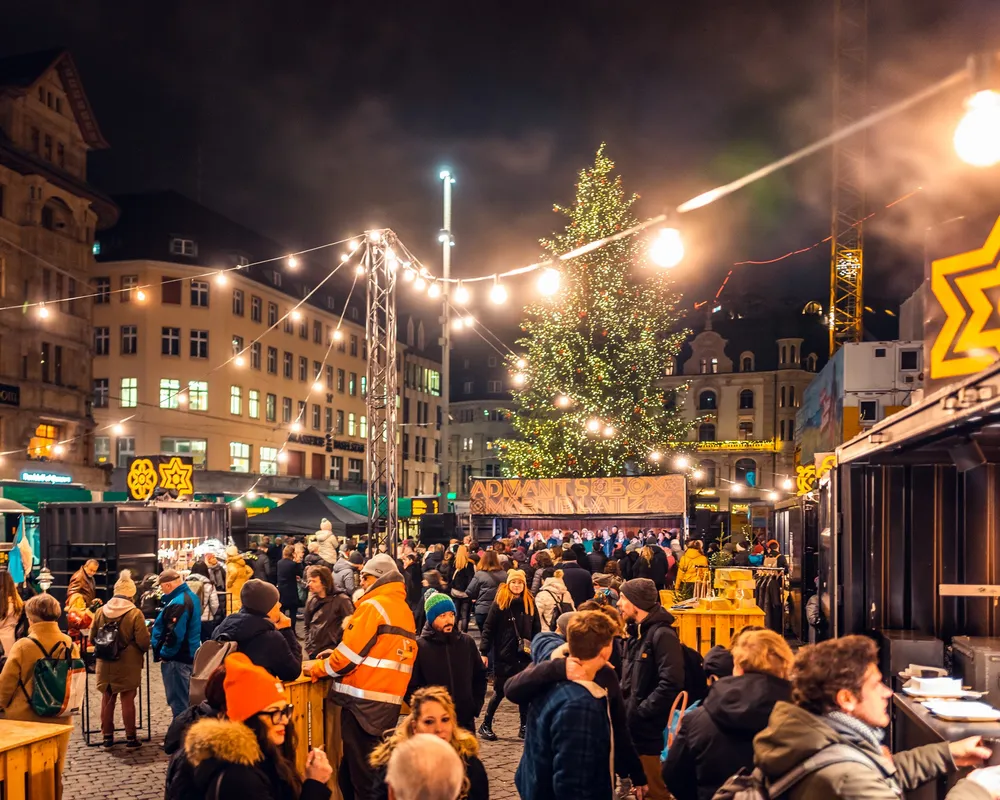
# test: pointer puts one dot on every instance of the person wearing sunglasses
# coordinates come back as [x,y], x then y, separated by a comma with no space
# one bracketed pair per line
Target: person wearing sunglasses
[251,751]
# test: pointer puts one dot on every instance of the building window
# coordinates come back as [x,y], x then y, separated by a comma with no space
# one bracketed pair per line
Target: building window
[337,468]
[197,449]
[354,345]
[130,340]
[868,411]
[340,423]
[791,397]
[670,368]
[494,387]
[170,341]
[199,344]
[286,409]
[364,386]
[170,291]
[271,408]
[328,427]
[102,291]
[354,467]
[269,461]
[272,360]
[707,468]
[746,471]
[329,377]
[703,366]
[746,399]
[745,431]
[781,430]
[199,294]
[706,432]
[746,362]
[781,401]
[236,400]
[363,427]
[909,360]
[255,355]
[491,361]
[102,449]
[301,416]
[183,247]
[287,365]
[129,397]
[253,404]
[272,314]
[129,283]
[238,302]
[468,443]
[101,391]
[352,384]
[784,355]
[793,352]
[316,416]
[317,332]
[45,438]
[303,368]
[707,401]
[237,346]
[198,395]
[102,341]
[125,446]
[255,306]
[276,278]
[350,424]
[879,352]
[304,328]
[239,457]
[340,380]
[170,389]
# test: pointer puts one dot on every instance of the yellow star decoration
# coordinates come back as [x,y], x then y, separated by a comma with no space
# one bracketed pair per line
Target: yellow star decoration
[141,479]
[963,333]
[177,475]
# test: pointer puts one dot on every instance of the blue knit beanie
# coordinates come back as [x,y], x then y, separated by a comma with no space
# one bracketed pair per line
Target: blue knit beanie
[436,605]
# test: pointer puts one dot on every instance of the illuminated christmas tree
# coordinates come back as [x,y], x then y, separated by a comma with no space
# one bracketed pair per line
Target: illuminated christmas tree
[585,393]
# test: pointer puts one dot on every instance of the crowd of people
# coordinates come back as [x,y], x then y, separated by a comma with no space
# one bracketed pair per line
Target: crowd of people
[576,637]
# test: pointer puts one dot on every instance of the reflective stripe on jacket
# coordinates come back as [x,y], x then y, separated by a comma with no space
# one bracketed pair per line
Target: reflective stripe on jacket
[372,664]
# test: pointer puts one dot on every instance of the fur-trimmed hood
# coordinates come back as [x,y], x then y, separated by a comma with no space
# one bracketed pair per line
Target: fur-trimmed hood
[223,740]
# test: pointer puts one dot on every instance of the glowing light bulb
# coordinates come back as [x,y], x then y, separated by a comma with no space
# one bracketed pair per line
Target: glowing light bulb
[182,399]
[498,294]
[419,283]
[563,401]
[295,315]
[457,324]
[359,269]
[220,278]
[609,431]
[140,295]
[548,282]
[656,455]
[282,457]
[239,361]
[318,386]
[461,295]
[737,488]
[772,496]
[58,449]
[787,485]
[409,274]
[390,255]
[237,504]
[296,426]
[43,312]
[698,474]
[521,363]
[118,429]
[434,290]
[667,249]
[292,262]
[353,245]
[338,334]
[375,236]
[519,379]
[251,494]
[344,258]
[468,322]
[593,425]
[681,462]
[977,136]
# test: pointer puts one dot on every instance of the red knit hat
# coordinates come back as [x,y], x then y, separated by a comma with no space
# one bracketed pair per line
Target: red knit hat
[249,688]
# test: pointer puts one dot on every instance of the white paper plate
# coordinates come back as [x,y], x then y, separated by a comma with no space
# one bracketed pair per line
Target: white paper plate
[962,710]
[963,695]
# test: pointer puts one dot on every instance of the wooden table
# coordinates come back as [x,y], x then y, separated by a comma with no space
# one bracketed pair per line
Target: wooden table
[316,721]
[702,629]
[30,761]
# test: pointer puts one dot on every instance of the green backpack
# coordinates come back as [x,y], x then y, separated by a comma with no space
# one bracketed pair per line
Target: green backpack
[57,689]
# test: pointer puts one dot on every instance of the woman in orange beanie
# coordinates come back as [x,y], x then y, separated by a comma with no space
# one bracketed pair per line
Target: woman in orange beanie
[251,751]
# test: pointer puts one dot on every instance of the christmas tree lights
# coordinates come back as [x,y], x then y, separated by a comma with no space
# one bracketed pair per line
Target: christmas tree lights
[587,402]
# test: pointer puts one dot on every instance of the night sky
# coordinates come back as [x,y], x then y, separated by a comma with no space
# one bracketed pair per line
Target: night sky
[310,121]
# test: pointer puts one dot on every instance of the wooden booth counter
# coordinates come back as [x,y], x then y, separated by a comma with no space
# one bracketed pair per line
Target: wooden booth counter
[703,628]
[316,722]
[30,761]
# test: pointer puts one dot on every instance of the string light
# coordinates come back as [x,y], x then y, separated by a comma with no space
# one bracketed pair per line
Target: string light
[344,258]
[43,312]
[656,455]
[251,494]
[374,237]
[292,262]
[359,269]
[563,401]
[295,315]
[519,379]
[239,361]
[296,426]
[468,321]
[498,294]
[457,324]
[282,457]
[318,386]
[698,474]
[419,283]
[681,462]
[593,425]
[787,485]
[977,137]
[338,334]
[772,496]
[140,295]
[609,431]
[461,295]
[58,449]
[434,290]
[548,282]
[118,429]
[409,273]
[667,249]
[737,488]
[220,278]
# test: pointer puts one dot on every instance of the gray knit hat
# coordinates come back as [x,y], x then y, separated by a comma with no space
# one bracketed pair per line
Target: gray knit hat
[380,565]
[641,592]
[258,596]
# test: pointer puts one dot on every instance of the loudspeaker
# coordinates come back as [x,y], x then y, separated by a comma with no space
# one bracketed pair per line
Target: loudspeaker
[437,528]
[238,528]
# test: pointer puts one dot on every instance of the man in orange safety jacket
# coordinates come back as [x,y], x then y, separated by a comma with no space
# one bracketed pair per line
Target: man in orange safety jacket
[370,669]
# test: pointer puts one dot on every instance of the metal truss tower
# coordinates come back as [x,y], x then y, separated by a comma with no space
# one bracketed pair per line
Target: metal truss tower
[848,197]
[381,454]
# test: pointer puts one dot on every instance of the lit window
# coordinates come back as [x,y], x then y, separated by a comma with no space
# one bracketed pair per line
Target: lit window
[239,457]
[45,438]
[271,408]
[125,447]
[707,401]
[671,366]
[129,397]
[350,424]
[102,449]
[253,404]
[197,449]
[269,461]
[746,471]
[868,410]
[745,431]
[198,395]
[169,390]
[235,400]
[183,247]
[363,432]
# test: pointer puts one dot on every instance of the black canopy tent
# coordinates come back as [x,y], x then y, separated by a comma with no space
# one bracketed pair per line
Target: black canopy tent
[302,514]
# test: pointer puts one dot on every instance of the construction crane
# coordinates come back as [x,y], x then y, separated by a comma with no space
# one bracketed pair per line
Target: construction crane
[850,85]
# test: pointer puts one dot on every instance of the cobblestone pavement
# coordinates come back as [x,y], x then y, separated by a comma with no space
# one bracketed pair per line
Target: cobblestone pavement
[93,772]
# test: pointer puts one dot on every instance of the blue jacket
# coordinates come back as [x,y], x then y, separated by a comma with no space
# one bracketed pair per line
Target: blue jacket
[185,639]
[567,747]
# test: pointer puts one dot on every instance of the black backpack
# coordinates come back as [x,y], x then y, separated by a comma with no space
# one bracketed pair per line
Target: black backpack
[695,682]
[559,608]
[107,642]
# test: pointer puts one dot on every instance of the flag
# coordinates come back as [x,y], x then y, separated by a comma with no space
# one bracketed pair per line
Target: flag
[21,556]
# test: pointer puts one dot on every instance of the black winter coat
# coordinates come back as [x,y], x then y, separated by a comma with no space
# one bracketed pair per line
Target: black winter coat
[597,560]
[716,740]
[461,578]
[479,785]
[288,586]
[538,678]
[660,567]
[276,651]
[501,631]
[451,660]
[578,582]
[652,676]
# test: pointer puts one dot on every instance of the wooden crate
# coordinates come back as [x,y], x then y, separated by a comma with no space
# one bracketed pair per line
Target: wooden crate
[314,713]
[702,630]
[31,759]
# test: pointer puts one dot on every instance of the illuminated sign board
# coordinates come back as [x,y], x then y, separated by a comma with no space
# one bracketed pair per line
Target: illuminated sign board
[420,506]
[647,495]
[146,473]
[53,478]
[741,446]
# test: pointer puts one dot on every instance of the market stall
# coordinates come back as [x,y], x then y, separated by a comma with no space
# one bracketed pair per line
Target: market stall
[301,516]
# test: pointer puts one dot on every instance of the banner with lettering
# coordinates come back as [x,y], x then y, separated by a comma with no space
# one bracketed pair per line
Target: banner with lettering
[650,495]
